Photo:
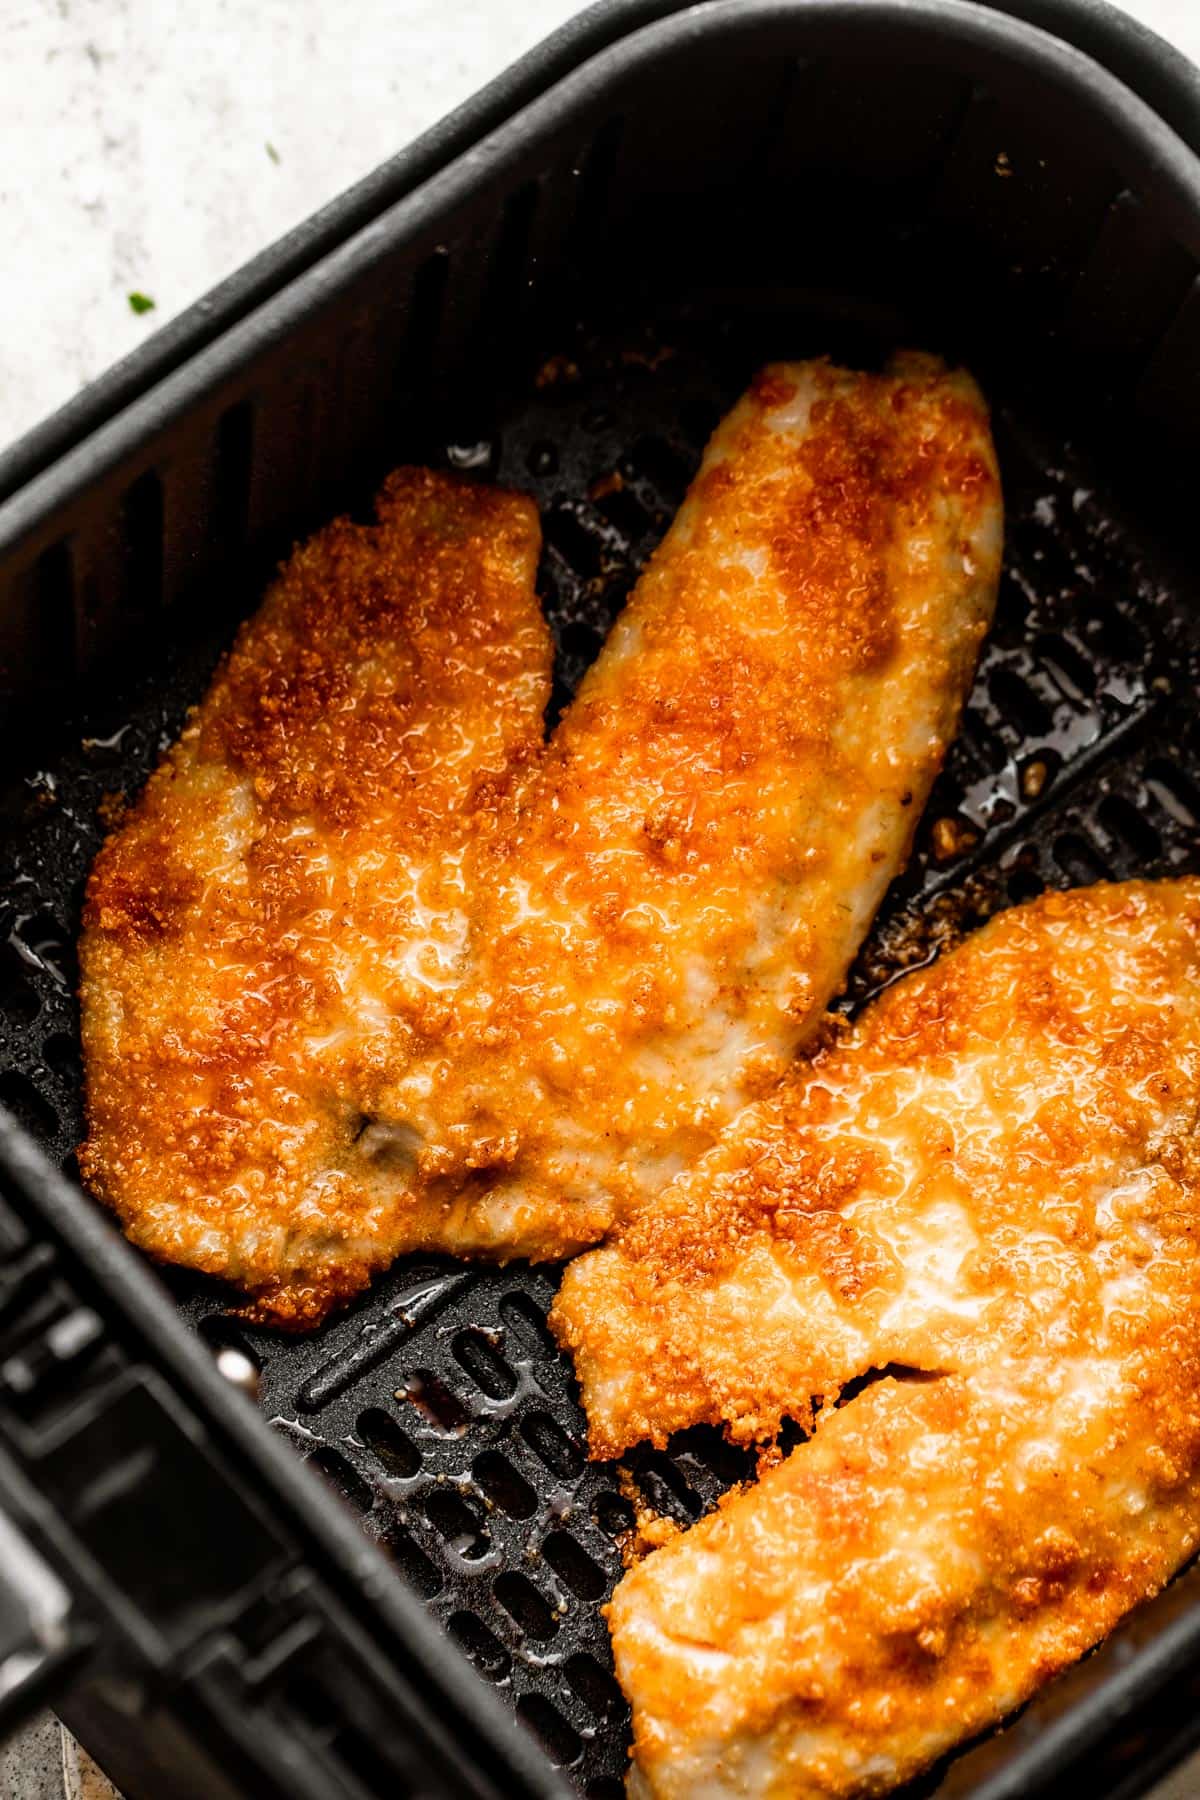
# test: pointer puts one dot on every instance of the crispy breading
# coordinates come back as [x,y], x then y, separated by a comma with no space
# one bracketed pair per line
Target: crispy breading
[276,926]
[913,1572]
[721,809]
[669,900]
[996,1182]
[950,1177]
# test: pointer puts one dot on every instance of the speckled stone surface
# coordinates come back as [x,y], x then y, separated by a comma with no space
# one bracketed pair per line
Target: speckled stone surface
[44,1762]
[152,147]
[31,1766]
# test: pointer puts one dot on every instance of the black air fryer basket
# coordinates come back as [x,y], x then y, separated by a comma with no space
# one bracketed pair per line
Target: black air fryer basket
[564,284]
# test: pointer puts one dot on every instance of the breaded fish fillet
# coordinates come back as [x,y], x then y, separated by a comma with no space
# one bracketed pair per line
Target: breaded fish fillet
[282,915]
[664,913]
[1008,1161]
[970,1168]
[929,1558]
[720,811]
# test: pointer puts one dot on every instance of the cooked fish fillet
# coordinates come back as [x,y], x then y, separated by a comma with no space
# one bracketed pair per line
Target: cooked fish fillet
[987,1160]
[691,872]
[667,906]
[279,921]
[932,1555]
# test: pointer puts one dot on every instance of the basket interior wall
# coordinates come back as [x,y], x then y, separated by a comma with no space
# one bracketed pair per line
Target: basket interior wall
[574,326]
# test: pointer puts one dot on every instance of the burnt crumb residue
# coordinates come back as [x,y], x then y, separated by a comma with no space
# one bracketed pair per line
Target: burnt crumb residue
[650,1529]
[952,837]
[555,370]
[1034,776]
[913,938]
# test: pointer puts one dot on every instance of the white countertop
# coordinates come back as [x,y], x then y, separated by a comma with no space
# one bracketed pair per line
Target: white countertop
[151,146]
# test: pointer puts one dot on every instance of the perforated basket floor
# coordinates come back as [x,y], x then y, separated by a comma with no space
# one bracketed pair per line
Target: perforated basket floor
[439,1405]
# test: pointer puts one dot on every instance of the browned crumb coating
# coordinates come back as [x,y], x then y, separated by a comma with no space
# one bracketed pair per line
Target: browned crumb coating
[278,921]
[994,1181]
[351,990]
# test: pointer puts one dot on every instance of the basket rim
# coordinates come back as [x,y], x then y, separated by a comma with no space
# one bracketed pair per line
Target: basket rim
[1151,71]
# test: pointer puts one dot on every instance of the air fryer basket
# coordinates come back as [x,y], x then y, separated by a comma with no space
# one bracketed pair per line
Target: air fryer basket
[568,310]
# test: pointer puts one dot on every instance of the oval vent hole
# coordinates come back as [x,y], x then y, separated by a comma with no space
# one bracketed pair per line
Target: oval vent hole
[388,1443]
[524,1605]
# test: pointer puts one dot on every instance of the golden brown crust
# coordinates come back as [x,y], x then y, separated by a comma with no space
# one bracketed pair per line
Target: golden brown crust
[654,914]
[913,1573]
[1010,1140]
[904,1195]
[277,921]
[690,873]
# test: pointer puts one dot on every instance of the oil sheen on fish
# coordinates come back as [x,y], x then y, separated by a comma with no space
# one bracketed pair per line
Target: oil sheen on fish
[916,1570]
[670,897]
[690,873]
[995,1184]
[282,915]
[917,1193]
